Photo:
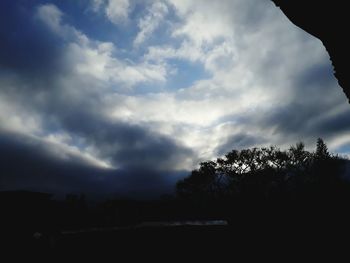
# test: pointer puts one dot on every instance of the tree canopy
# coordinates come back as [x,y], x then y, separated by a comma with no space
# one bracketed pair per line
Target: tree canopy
[264,173]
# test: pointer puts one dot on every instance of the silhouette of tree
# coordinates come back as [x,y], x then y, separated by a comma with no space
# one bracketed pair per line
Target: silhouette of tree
[321,150]
[260,173]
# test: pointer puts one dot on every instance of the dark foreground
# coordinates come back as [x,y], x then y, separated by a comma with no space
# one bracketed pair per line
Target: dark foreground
[218,243]
[34,226]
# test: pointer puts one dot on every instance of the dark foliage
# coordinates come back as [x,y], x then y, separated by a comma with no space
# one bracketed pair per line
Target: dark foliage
[267,175]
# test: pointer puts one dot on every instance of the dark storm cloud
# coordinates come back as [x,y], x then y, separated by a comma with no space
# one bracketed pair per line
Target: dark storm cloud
[126,145]
[301,114]
[26,46]
[239,141]
[316,80]
[333,125]
[143,159]
[317,75]
[290,118]
[28,164]
[304,122]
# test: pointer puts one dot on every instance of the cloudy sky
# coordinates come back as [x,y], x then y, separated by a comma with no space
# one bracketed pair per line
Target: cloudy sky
[127,96]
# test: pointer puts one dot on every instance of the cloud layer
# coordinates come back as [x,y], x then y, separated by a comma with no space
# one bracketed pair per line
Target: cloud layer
[162,85]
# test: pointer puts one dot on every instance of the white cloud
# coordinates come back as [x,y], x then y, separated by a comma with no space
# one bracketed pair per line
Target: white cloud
[98,63]
[52,16]
[117,11]
[187,51]
[202,29]
[151,21]
[95,59]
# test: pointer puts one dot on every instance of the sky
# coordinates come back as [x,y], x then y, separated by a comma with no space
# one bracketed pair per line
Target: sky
[126,97]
